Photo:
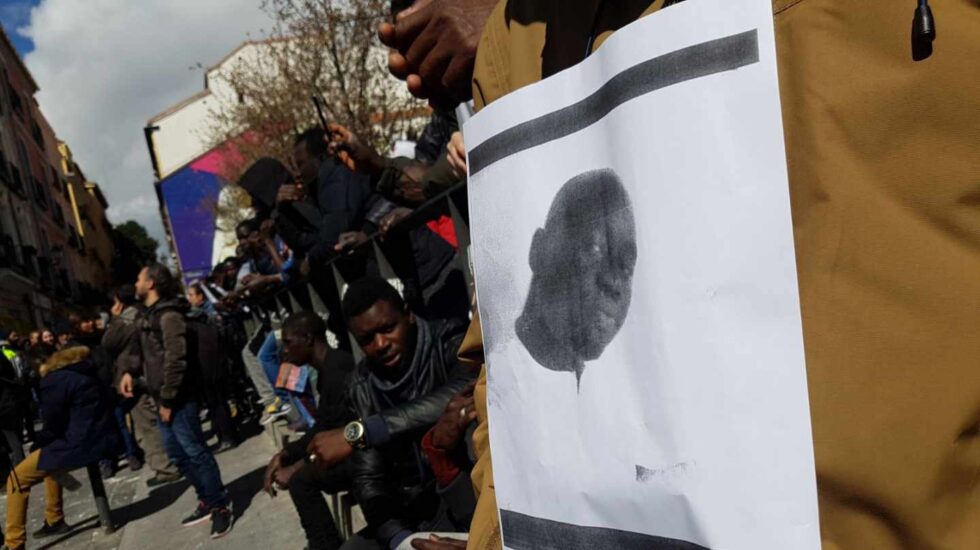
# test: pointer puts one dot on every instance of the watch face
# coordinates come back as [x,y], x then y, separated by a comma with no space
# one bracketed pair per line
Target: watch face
[353,432]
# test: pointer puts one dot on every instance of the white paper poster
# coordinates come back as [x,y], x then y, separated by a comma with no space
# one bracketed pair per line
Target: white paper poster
[634,261]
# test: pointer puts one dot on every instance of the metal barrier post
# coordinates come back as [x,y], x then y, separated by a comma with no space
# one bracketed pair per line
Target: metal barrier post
[463,241]
[341,289]
[387,272]
[101,500]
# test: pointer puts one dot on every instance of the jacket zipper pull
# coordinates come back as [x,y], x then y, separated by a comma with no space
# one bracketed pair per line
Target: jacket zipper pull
[923,31]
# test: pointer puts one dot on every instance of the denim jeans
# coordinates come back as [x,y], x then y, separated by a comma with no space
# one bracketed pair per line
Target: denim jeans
[123,406]
[271,357]
[185,444]
[256,373]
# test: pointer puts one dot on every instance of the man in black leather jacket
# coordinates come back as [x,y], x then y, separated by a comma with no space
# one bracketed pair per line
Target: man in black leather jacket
[406,359]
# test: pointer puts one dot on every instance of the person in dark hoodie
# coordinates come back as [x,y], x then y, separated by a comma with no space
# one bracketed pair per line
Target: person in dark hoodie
[276,197]
[164,348]
[79,429]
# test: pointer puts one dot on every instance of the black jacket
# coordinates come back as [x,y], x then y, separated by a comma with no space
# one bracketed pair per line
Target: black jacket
[392,482]
[14,397]
[341,197]
[77,410]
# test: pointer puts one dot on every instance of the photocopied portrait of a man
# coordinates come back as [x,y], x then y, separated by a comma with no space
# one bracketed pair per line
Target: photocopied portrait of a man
[582,264]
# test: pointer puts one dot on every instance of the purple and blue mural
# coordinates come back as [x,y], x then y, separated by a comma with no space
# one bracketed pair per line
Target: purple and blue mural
[191,196]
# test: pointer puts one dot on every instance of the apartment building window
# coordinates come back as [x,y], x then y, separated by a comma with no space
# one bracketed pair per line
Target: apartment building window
[5,169]
[59,216]
[25,164]
[39,195]
[37,135]
[17,181]
[15,103]
[73,240]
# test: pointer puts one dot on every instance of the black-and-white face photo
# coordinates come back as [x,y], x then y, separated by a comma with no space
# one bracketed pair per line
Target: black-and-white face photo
[582,262]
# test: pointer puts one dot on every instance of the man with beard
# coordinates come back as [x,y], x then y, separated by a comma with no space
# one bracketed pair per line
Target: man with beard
[171,381]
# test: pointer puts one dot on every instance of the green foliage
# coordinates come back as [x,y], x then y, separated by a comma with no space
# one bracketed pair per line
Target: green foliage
[134,248]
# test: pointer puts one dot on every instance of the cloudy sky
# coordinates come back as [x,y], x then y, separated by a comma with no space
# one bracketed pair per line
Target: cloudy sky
[106,66]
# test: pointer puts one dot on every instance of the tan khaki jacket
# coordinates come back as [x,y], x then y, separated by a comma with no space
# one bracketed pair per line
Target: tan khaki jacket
[884,172]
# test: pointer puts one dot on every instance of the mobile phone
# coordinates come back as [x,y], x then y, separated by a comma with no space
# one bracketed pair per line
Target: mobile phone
[318,103]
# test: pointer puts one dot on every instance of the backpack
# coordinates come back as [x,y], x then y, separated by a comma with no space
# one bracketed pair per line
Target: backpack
[205,352]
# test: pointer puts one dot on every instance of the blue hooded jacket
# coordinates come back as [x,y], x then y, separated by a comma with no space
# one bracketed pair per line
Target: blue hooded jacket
[77,411]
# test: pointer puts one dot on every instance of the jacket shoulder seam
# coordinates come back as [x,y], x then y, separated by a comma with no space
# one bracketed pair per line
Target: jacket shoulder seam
[788,5]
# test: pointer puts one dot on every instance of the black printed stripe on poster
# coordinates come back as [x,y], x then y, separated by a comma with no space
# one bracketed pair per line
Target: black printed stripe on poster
[522,532]
[707,58]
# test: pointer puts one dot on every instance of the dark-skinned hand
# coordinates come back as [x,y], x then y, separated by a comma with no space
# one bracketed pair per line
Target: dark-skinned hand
[392,219]
[350,240]
[270,474]
[268,229]
[438,543]
[351,151]
[329,448]
[435,43]
[451,426]
[285,474]
[290,193]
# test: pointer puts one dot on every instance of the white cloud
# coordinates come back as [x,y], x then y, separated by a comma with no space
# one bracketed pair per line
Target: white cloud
[133,209]
[106,66]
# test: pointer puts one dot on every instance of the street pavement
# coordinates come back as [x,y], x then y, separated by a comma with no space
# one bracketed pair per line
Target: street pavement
[150,519]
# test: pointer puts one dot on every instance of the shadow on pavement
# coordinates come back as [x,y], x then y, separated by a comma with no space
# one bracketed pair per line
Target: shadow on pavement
[246,431]
[158,499]
[242,491]
[250,429]
[77,528]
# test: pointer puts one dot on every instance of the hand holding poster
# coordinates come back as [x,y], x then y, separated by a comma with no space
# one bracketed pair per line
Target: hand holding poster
[634,261]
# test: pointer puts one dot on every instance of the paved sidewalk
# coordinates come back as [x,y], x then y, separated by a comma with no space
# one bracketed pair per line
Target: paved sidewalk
[150,520]
[261,521]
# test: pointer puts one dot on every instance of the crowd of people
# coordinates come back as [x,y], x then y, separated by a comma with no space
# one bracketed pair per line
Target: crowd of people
[380,378]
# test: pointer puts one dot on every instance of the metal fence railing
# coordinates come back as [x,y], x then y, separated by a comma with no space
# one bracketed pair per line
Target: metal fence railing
[388,256]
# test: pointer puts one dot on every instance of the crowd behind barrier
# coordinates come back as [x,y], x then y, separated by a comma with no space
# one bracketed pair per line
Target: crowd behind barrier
[341,317]
[238,364]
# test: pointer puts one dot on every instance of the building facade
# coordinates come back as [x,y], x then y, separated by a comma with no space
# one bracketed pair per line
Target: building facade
[47,267]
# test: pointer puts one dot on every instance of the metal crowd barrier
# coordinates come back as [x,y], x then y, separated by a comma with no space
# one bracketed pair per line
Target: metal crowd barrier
[376,250]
